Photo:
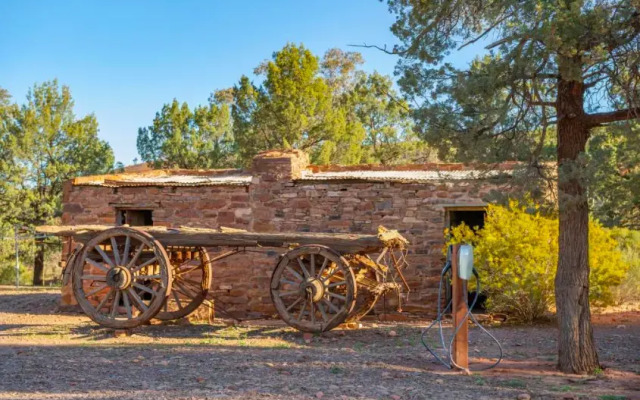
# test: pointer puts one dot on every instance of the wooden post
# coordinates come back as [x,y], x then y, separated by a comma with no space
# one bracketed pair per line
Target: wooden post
[460,349]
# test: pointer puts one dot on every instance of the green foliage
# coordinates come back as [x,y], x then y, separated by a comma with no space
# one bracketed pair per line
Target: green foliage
[502,105]
[27,250]
[45,145]
[614,184]
[385,118]
[292,108]
[629,244]
[8,259]
[608,267]
[42,144]
[324,106]
[185,138]
[516,254]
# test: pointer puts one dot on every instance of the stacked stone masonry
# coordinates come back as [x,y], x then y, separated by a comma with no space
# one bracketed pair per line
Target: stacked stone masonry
[278,199]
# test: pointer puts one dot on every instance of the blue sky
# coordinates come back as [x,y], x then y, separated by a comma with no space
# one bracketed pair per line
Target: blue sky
[124,59]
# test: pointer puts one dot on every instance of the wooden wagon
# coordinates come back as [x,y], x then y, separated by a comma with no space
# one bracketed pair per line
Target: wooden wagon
[123,276]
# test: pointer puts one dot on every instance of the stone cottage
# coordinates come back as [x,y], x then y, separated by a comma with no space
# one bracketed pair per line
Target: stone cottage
[282,192]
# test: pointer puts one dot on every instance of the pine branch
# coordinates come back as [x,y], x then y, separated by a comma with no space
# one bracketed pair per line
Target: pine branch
[613,116]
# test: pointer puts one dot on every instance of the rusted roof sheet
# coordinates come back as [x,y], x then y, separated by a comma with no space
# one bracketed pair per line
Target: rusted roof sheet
[403,175]
[168,178]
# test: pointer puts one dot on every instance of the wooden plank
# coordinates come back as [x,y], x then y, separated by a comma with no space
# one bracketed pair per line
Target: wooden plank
[460,349]
[187,236]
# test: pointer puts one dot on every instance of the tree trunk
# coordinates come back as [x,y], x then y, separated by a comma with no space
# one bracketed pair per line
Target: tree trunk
[38,265]
[576,347]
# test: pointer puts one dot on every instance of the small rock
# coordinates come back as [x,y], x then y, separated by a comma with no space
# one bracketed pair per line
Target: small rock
[200,379]
[308,337]
[439,381]
[621,326]
[351,325]
[121,333]
[524,396]
[392,333]
[319,395]
[395,397]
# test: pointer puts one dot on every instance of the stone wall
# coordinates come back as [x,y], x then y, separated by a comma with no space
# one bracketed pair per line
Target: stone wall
[278,199]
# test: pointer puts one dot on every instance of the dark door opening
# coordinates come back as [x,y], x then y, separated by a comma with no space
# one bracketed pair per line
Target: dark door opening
[475,220]
[472,218]
[134,217]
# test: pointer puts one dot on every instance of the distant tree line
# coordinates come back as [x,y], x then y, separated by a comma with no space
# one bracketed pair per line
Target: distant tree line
[325,106]
[42,144]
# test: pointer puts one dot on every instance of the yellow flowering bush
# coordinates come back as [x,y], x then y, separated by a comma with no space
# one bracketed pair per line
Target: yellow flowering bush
[516,254]
[629,243]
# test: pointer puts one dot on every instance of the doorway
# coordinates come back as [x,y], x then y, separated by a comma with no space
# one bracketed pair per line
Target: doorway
[473,217]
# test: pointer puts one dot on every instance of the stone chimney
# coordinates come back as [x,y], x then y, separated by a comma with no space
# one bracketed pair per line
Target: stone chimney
[279,165]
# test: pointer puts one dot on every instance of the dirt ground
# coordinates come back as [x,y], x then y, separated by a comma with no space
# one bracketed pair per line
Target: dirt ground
[46,354]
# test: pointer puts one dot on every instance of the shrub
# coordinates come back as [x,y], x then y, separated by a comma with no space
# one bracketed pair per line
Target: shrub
[516,254]
[629,245]
[27,251]
[8,259]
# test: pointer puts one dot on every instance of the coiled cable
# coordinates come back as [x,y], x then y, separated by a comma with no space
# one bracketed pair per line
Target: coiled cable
[469,315]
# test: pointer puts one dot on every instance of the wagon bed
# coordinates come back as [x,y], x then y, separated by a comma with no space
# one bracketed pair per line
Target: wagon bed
[229,237]
[124,276]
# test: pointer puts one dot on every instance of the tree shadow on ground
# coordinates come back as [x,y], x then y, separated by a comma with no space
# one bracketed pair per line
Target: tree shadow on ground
[35,302]
[134,370]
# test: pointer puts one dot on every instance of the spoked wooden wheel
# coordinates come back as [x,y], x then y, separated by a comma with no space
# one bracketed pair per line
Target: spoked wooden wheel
[191,282]
[313,288]
[122,278]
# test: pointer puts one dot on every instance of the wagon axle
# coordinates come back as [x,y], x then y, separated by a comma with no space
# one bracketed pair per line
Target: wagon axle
[119,277]
[313,288]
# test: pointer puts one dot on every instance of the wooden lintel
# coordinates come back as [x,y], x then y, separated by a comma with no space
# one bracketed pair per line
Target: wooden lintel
[137,206]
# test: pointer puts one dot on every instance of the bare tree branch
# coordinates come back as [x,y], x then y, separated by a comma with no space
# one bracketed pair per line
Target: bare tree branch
[613,116]
[373,46]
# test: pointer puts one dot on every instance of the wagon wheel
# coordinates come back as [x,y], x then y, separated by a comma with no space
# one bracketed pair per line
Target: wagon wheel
[121,278]
[191,282]
[313,288]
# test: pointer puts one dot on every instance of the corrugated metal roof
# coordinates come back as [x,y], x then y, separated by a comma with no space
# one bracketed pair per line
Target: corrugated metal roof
[243,178]
[402,176]
[168,178]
